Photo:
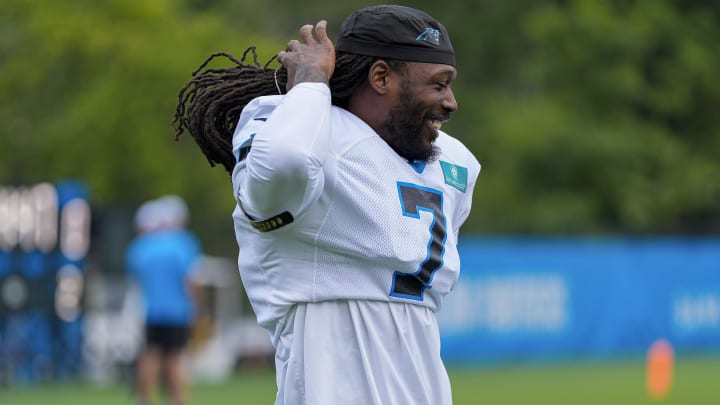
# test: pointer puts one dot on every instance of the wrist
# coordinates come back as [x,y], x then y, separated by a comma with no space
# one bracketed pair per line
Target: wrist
[311,74]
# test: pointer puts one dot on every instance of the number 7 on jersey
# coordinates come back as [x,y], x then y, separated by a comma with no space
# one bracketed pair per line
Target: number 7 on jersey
[413,200]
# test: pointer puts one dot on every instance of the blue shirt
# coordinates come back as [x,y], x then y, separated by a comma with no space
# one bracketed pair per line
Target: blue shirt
[161,262]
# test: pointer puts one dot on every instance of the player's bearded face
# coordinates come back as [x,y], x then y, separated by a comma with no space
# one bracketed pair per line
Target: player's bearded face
[409,128]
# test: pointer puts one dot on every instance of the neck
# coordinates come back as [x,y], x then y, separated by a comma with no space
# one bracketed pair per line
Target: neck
[369,107]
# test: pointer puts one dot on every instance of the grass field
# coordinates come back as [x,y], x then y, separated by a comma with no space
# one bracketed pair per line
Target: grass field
[696,382]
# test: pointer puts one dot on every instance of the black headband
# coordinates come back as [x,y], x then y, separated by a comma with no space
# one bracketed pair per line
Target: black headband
[396,32]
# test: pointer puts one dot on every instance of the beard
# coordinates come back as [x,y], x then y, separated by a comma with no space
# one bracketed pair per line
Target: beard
[408,132]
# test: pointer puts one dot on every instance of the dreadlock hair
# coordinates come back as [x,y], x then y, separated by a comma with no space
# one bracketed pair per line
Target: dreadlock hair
[209,104]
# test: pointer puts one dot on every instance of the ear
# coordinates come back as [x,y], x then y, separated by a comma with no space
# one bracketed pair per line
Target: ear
[378,76]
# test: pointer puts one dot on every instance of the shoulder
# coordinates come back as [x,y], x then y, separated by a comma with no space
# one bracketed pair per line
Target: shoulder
[453,149]
[348,129]
[259,107]
[255,113]
[189,237]
[138,248]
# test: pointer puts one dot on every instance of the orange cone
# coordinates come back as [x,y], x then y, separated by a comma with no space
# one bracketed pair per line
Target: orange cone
[660,364]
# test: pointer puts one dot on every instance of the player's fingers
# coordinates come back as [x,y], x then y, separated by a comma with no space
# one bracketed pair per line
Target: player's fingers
[293,45]
[321,32]
[306,34]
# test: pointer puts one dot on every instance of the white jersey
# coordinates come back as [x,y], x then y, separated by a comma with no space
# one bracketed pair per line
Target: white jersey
[328,212]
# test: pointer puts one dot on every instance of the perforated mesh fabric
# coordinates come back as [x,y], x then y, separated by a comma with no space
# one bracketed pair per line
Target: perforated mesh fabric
[350,243]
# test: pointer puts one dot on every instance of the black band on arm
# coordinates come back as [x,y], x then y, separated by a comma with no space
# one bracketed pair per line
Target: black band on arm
[273,223]
[270,224]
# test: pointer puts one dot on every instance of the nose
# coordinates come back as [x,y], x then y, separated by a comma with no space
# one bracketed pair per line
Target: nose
[448,102]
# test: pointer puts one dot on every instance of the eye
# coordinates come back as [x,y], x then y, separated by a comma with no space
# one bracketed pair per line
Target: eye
[441,85]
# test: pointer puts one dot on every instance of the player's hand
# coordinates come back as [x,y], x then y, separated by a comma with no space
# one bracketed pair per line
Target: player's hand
[312,60]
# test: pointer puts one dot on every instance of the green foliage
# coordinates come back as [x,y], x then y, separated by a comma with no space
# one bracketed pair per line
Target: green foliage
[588,117]
[592,116]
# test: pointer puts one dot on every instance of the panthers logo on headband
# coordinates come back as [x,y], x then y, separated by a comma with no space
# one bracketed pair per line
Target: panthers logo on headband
[431,35]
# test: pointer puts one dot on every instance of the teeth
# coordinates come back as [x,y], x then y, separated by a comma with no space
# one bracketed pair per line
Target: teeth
[436,124]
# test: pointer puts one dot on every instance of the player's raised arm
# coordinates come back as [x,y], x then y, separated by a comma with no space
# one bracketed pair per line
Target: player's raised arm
[284,166]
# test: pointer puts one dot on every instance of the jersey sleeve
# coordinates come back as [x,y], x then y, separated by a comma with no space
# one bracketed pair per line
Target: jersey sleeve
[466,203]
[454,151]
[281,144]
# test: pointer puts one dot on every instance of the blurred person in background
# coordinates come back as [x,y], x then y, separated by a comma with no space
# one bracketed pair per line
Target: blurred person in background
[163,260]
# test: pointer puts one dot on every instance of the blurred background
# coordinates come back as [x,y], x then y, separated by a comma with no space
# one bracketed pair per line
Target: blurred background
[595,230]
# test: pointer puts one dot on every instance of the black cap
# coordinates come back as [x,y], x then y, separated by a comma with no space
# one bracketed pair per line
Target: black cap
[396,32]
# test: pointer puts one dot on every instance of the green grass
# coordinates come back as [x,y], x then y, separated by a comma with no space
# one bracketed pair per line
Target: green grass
[697,382]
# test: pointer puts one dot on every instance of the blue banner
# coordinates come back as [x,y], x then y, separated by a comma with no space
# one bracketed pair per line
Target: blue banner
[44,242]
[541,299]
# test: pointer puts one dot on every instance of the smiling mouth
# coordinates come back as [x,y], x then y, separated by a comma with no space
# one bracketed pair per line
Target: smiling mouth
[437,124]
